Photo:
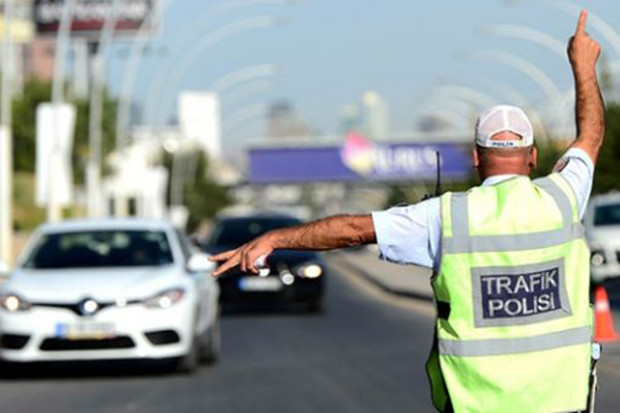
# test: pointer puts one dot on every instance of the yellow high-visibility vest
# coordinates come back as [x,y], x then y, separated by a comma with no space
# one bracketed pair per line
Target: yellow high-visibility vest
[514,325]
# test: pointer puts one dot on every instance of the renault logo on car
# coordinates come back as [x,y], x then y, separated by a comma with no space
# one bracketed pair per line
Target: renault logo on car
[88,307]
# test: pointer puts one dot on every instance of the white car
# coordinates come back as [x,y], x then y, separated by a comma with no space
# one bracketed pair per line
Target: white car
[602,223]
[110,289]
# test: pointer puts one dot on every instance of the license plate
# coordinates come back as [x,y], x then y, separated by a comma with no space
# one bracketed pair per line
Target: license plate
[260,284]
[85,331]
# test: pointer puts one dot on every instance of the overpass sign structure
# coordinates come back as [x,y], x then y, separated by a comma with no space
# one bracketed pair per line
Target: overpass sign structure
[358,160]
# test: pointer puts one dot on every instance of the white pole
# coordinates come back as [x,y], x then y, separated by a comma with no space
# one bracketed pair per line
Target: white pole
[6,144]
[121,205]
[93,164]
[98,53]
[130,74]
[176,179]
[54,211]
[80,68]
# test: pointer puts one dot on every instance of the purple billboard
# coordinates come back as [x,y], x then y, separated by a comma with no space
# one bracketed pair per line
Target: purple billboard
[358,160]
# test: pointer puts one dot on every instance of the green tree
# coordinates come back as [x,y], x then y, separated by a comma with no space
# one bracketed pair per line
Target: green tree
[24,121]
[24,127]
[24,105]
[81,148]
[607,169]
[548,155]
[202,196]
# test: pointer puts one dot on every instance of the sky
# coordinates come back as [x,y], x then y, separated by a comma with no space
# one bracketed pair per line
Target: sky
[329,52]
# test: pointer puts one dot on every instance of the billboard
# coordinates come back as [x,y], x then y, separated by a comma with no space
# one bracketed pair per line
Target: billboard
[55,125]
[358,160]
[200,120]
[89,16]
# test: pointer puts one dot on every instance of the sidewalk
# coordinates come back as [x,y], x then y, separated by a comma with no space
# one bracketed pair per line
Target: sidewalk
[405,280]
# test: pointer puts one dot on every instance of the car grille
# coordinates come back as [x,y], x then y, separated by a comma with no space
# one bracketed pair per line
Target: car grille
[13,341]
[60,344]
[159,338]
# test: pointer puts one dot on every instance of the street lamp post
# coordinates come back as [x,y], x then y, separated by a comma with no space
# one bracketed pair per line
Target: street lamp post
[191,31]
[154,112]
[54,211]
[529,69]
[469,94]
[596,22]
[245,74]
[6,139]
[247,91]
[538,37]
[183,170]
[98,52]
[129,77]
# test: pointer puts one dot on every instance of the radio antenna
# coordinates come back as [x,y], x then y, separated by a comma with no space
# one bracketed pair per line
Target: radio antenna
[438,178]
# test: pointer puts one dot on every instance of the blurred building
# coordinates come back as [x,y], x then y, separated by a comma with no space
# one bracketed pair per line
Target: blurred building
[200,121]
[283,122]
[38,58]
[350,119]
[369,117]
[432,124]
[375,116]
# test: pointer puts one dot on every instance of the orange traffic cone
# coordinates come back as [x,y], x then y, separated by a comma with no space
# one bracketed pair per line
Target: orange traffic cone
[604,330]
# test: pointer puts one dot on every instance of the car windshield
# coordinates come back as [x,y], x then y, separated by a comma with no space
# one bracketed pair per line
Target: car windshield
[233,232]
[95,249]
[607,215]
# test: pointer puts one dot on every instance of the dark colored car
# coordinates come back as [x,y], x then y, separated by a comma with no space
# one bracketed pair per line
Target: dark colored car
[292,276]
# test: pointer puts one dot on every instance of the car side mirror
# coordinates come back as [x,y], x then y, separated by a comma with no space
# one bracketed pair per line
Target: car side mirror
[200,262]
[4,269]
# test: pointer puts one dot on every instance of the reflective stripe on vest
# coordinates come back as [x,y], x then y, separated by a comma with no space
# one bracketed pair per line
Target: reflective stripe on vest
[499,346]
[461,241]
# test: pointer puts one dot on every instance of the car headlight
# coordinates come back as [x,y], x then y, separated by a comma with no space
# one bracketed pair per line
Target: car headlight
[12,303]
[165,299]
[597,258]
[310,271]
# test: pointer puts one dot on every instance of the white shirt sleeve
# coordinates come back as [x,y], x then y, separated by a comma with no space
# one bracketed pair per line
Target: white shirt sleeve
[410,234]
[577,168]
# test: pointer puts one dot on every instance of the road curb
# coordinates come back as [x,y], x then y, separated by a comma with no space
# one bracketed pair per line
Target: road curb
[389,289]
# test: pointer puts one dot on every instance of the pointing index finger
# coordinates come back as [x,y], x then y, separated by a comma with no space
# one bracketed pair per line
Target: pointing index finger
[232,262]
[581,24]
[222,256]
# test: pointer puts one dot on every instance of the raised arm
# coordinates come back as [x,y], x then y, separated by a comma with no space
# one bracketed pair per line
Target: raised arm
[324,234]
[583,52]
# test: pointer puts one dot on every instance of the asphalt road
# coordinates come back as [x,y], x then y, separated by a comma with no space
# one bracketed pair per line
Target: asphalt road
[366,353]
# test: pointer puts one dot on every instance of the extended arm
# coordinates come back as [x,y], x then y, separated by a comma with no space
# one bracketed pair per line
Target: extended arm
[323,234]
[583,52]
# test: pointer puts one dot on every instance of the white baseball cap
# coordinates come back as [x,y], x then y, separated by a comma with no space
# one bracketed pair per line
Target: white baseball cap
[503,118]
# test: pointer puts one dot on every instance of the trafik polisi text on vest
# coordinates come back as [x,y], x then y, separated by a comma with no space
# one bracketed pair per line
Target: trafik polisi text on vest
[521,294]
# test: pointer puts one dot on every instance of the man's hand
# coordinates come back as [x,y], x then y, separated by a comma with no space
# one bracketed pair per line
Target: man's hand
[583,51]
[245,256]
[321,235]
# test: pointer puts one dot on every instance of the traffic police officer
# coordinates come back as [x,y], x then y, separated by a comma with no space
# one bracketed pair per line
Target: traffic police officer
[511,266]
